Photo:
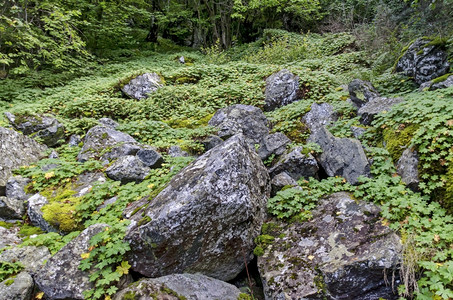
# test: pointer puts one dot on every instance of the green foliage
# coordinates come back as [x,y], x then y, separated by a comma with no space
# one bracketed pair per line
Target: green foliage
[9,269]
[52,240]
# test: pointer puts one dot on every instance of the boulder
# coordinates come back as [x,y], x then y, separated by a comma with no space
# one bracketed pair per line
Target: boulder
[341,156]
[344,252]
[35,203]
[61,278]
[107,122]
[357,131]
[107,143]
[54,155]
[150,158]
[361,91]
[211,141]
[127,169]
[85,183]
[142,85]
[375,106]
[15,188]
[44,127]
[239,118]
[438,83]
[31,257]
[207,217]
[74,140]
[176,151]
[296,165]
[9,237]
[11,209]
[281,180]
[273,144]
[16,150]
[424,60]
[407,168]
[282,88]
[177,286]
[20,287]
[320,115]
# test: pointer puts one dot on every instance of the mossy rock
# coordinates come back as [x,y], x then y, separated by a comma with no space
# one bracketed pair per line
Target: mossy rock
[396,141]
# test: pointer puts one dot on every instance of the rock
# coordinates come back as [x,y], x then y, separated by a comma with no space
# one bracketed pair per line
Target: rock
[100,138]
[344,252]
[437,84]
[11,209]
[31,257]
[127,169]
[207,217]
[18,288]
[190,286]
[182,60]
[74,140]
[407,168]
[9,237]
[107,122]
[85,183]
[281,180]
[424,60]
[15,188]
[361,91]
[239,118]
[376,106]
[341,156]
[61,277]
[357,131]
[46,128]
[35,203]
[150,158]
[107,202]
[176,151]
[296,165]
[273,144]
[16,150]
[142,85]
[282,88]
[211,142]
[320,115]
[53,155]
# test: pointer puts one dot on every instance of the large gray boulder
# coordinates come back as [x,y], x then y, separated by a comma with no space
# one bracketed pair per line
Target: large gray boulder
[18,288]
[31,257]
[344,252]
[296,164]
[239,118]
[361,91]
[44,127]
[176,286]
[61,277]
[374,107]
[273,144]
[407,168]
[282,88]
[439,83]
[16,150]
[341,156]
[128,168]
[107,143]
[320,115]
[207,217]
[424,60]
[142,85]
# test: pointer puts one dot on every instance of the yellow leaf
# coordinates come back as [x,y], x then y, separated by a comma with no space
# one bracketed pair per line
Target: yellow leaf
[39,295]
[85,255]
[151,186]
[49,175]
[436,238]
[107,298]
[311,257]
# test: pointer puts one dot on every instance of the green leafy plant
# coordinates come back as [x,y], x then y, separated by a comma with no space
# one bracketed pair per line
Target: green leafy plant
[8,269]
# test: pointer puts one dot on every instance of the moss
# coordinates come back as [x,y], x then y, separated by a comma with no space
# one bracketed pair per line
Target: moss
[441,78]
[397,140]
[186,79]
[9,282]
[6,225]
[244,296]
[28,230]
[258,251]
[129,296]
[144,220]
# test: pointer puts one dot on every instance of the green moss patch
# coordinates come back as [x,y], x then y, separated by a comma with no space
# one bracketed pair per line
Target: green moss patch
[396,141]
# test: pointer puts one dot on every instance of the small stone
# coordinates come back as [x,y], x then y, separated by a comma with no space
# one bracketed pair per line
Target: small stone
[296,165]
[320,115]
[150,158]
[35,203]
[53,155]
[281,180]
[74,140]
[127,169]
[142,85]
[273,144]
[407,168]
[176,151]
[19,287]
[361,91]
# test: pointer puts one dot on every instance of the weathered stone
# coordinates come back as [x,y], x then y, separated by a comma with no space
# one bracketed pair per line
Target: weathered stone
[320,115]
[150,158]
[361,91]
[424,61]
[296,165]
[239,118]
[341,156]
[11,209]
[211,142]
[207,217]
[432,85]
[190,286]
[21,287]
[35,203]
[273,144]
[142,85]
[46,128]
[281,180]
[74,140]
[85,183]
[357,131]
[375,106]
[182,60]
[9,237]
[282,88]
[344,252]
[127,169]
[15,187]
[108,143]
[107,202]
[176,151]
[407,168]
[61,277]
[31,257]
[53,155]
[107,122]
[16,150]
